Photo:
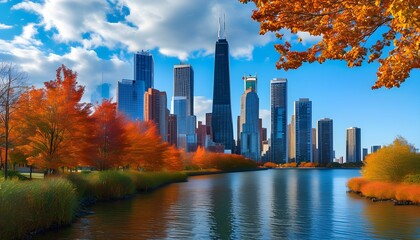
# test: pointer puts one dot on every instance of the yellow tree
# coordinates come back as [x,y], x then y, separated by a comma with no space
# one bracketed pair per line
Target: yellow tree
[345,28]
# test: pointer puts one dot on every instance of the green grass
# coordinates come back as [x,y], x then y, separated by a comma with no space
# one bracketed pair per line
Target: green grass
[145,181]
[12,175]
[26,206]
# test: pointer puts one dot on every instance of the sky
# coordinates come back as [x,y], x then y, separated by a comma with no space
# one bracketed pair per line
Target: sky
[98,38]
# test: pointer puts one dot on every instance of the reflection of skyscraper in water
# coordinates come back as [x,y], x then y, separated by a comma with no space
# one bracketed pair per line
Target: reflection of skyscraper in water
[222,113]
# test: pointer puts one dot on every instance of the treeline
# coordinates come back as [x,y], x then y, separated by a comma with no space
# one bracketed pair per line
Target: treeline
[51,128]
[313,165]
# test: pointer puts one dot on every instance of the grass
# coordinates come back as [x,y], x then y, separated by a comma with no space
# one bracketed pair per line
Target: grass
[26,206]
[144,181]
[385,190]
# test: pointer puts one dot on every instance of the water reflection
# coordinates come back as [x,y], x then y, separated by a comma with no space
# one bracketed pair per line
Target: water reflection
[273,204]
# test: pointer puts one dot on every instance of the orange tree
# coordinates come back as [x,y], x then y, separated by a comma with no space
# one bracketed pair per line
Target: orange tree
[345,28]
[55,124]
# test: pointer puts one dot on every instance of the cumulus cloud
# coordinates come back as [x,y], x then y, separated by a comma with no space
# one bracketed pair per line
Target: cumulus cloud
[307,38]
[180,28]
[202,105]
[4,26]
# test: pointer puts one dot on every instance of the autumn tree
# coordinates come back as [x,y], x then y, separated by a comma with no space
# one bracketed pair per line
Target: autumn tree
[11,86]
[392,163]
[172,158]
[56,122]
[109,138]
[349,30]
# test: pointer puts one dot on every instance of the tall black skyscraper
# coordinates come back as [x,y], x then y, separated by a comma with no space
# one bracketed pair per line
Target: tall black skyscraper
[222,113]
[303,115]
[325,141]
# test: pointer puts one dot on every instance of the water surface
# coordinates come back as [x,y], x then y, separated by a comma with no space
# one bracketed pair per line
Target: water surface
[272,204]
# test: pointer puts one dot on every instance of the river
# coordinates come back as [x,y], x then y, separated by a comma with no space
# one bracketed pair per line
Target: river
[272,204]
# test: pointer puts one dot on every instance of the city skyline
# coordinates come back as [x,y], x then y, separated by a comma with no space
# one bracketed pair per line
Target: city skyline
[29,38]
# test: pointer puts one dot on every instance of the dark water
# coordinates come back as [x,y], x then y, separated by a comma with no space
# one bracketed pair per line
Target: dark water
[273,204]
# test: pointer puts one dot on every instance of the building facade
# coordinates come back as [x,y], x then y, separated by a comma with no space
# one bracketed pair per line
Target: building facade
[375,148]
[130,99]
[278,97]
[292,139]
[172,129]
[101,92]
[353,145]
[179,108]
[144,68]
[303,115]
[184,85]
[221,125]
[155,110]
[325,141]
[250,144]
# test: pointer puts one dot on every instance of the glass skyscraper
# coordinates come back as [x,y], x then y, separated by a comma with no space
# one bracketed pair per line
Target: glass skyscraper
[303,115]
[353,145]
[325,141]
[101,92]
[184,85]
[249,127]
[144,68]
[222,113]
[130,99]
[179,108]
[278,148]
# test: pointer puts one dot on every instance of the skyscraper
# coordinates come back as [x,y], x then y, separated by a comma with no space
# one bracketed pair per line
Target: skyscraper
[179,108]
[303,115]
[353,145]
[314,148]
[101,92]
[172,131]
[249,125]
[155,110]
[292,139]
[250,82]
[144,68]
[184,85]
[130,99]
[325,141]
[278,92]
[375,148]
[364,153]
[222,113]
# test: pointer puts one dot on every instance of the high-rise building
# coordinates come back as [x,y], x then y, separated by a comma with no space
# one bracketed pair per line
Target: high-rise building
[172,130]
[278,93]
[264,134]
[101,92]
[179,108]
[364,153]
[208,125]
[249,125]
[250,82]
[144,68]
[130,99]
[353,145]
[375,148]
[292,139]
[222,113]
[191,133]
[184,85]
[325,141]
[303,115]
[314,148]
[155,110]
[201,135]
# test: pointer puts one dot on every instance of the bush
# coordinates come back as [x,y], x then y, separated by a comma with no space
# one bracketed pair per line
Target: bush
[111,185]
[412,178]
[410,192]
[380,190]
[355,184]
[144,181]
[31,205]
[392,163]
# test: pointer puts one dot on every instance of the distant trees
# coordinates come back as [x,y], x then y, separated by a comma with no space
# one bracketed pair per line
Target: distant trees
[348,30]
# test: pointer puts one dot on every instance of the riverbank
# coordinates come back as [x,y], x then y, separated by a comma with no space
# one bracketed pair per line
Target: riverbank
[398,193]
[216,171]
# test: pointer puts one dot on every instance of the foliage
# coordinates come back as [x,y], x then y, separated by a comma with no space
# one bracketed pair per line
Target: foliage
[145,181]
[221,161]
[385,190]
[307,165]
[289,165]
[412,178]
[392,163]
[29,205]
[270,165]
[344,28]
[54,123]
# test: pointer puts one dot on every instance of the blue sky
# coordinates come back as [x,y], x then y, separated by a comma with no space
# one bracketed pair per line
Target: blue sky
[96,36]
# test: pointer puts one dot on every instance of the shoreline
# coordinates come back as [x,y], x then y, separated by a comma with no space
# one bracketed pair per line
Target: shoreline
[395,201]
[203,173]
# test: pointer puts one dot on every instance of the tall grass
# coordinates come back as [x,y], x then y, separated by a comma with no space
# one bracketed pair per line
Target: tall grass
[145,181]
[385,190]
[26,206]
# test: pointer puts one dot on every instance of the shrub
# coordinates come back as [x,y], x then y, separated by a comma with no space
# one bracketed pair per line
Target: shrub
[410,192]
[412,178]
[355,184]
[111,185]
[392,163]
[145,181]
[380,190]
[270,165]
[30,205]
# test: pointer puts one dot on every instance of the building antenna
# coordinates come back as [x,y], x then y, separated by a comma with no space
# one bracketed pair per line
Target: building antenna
[218,31]
[224,24]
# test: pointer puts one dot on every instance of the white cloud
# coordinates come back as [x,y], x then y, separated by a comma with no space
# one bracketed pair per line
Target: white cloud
[307,38]
[178,28]
[4,26]
[202,105]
